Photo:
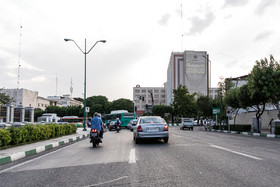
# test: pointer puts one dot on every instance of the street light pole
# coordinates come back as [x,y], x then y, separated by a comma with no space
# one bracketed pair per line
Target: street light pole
[85,72]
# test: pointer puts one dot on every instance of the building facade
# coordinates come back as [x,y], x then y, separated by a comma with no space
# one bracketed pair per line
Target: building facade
[189,68]
[214,92]
[144,96]
[23,97]
[65,100]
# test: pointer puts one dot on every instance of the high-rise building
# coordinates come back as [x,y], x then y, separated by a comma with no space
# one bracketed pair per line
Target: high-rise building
[189,68]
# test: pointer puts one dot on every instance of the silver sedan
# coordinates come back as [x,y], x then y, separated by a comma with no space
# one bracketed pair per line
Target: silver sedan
[150,127]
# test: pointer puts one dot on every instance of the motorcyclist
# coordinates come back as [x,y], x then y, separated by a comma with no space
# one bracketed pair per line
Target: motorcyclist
[96,123]
[117,122]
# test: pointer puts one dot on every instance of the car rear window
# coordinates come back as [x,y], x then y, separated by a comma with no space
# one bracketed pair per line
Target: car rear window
[152,120]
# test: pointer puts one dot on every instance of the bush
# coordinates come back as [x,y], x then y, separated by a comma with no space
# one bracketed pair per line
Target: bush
[277,130]
[33,133]
[240,127]
[15,135]
[236,127]
[5,137]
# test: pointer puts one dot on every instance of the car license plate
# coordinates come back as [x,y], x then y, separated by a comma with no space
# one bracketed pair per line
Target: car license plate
[152,129]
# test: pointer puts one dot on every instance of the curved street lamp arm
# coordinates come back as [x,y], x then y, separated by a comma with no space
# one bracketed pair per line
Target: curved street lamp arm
[78,47]
[91,48]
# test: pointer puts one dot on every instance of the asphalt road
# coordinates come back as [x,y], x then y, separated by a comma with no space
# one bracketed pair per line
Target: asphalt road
[191,158]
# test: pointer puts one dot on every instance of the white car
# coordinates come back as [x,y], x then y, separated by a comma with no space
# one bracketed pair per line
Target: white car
[131,124]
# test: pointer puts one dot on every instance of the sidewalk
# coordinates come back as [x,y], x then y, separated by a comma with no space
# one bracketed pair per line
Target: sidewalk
[15,153]
[264,133]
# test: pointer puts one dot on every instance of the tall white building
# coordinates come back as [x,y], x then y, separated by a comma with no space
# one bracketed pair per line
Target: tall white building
[142,97]
[189,68]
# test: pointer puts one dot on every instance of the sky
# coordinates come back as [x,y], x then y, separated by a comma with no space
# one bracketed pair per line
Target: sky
[140,37]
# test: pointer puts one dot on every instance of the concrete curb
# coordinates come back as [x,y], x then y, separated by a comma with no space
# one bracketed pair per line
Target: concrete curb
[247,133]
[20,155]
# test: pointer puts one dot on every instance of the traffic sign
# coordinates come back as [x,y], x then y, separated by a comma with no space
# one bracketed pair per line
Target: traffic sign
[228,113]
[216,110]
[87,109]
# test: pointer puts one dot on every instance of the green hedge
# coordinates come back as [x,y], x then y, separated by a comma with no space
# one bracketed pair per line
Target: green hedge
[236,127]
[277,130]
[33,133]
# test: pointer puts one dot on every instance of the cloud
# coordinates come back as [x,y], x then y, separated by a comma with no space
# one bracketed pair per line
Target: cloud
[229,3]
[263,5]
[164,19]
[40,78]
[200,24]
[263,35]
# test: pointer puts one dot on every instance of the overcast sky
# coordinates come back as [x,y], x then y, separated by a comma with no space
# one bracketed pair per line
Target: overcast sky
[140,38]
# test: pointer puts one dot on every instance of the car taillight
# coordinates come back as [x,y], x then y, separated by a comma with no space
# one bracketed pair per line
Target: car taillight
[165,128]
[139,129]
[94,130]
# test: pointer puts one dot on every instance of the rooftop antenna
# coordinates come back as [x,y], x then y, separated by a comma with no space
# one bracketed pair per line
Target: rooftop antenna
[71,87]
[56,80]
[182,34]
[19,55]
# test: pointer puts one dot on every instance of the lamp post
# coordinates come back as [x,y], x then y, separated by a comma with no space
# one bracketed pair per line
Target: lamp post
[85,53]
[209,73]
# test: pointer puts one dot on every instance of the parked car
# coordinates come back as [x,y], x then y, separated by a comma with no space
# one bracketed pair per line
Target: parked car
[17,124]
[5,125]
[187,123]
[131,124]
[150,127]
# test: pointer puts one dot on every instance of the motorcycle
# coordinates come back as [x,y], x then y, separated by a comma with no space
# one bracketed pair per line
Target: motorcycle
[118,127]
[94,137]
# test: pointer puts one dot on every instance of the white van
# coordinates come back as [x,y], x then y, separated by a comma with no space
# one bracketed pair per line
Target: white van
[187,123]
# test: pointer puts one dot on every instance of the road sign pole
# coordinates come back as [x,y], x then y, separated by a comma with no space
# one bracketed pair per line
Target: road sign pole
[216,119]
[228,124]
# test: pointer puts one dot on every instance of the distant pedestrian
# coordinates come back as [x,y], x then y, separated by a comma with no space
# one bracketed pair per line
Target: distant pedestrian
[270,126]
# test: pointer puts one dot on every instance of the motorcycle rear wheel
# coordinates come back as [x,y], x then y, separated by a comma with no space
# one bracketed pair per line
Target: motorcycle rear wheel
[94,143]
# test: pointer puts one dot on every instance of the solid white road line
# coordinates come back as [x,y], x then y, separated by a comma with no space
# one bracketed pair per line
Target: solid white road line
[132,158]
[110,181]
[176,135]
[243,154]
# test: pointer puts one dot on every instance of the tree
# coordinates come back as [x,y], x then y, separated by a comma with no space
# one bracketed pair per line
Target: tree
[37,113]
[263,85]
[60,111]
[5,98]
[162,110]
[98,104]
[184,102]
[203,105]
[123,104]
[224,86]
[231,99]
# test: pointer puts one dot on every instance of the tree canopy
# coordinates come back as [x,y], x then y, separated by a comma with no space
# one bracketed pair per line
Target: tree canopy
[122,104]
[98,104]
[5,98]
[184,102]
